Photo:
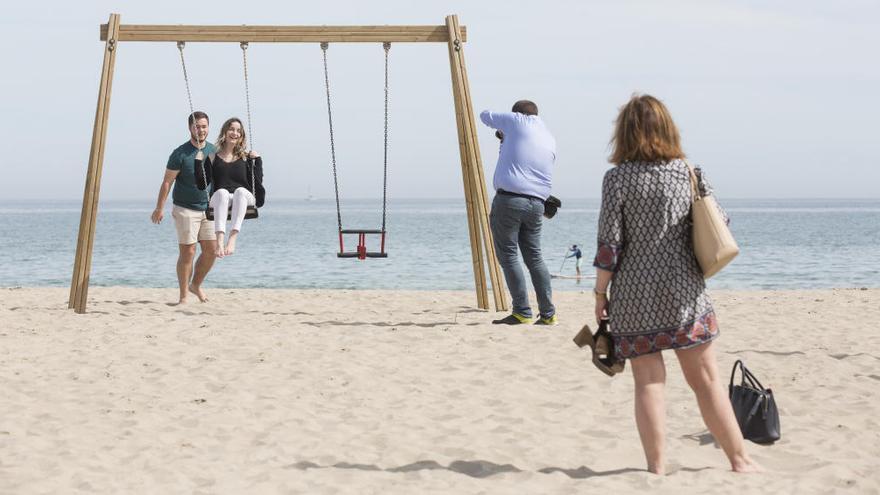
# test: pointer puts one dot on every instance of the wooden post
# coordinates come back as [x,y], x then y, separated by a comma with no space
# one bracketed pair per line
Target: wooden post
[466,173]
[79,284]
[498,290]
[474,166]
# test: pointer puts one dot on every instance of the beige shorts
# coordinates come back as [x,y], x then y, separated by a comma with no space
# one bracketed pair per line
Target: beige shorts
[192,226]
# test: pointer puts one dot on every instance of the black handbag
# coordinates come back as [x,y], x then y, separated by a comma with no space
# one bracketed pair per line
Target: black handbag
[754,406]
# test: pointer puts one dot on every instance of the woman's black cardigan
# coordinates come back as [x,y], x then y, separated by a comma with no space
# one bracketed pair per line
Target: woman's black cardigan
[254,169]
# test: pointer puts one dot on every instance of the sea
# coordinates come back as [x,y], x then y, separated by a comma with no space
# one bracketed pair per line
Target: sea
[785,244]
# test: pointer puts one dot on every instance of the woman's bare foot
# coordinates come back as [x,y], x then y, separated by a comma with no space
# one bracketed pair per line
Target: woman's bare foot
[219,252]
[199,292]
[230,244]
[659,470]
[745,465]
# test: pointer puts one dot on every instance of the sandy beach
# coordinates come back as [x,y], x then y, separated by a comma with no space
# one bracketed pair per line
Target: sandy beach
[288,391]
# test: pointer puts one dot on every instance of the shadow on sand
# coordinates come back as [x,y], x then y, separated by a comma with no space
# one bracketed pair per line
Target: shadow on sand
[474,469]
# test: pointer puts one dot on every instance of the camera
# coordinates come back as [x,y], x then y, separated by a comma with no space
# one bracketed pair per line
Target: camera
[551,204]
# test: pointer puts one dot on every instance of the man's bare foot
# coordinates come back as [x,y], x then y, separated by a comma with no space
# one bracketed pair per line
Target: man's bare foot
[182,300]
[199,292]
[746,465]
[230,244]
[219,252]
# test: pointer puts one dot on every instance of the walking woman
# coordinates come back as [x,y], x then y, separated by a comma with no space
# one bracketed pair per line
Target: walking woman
[657,299]
[237,177]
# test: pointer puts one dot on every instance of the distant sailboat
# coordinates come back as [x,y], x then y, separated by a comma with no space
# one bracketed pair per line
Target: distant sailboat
[309,196]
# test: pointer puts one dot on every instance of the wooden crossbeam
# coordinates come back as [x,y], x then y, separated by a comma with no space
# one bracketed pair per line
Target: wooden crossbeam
[284,34]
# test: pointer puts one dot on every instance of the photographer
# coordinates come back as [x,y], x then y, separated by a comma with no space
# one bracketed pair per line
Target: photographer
[522,181]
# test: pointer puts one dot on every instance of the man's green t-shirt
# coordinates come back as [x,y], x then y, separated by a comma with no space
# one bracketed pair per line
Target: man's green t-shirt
[185,193]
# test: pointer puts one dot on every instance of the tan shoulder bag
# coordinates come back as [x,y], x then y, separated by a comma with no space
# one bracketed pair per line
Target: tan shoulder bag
[714,245]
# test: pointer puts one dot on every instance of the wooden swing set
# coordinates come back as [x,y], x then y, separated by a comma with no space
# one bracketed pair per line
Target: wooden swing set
[454,35]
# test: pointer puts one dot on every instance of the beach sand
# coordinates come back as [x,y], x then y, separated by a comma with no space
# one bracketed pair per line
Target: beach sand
[288,391]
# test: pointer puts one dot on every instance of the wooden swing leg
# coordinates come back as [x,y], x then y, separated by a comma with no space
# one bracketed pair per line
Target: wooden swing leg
[79,283]
[478,190]
[467,152]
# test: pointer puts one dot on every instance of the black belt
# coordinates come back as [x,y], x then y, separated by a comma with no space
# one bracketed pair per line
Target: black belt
[518,195]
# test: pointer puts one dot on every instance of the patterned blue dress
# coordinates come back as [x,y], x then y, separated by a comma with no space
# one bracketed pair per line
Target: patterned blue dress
[658,297]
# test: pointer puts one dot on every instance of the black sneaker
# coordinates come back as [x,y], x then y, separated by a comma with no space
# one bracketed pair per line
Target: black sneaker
[512,319]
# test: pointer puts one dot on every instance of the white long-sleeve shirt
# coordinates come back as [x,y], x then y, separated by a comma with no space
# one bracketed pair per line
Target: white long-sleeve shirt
[525,161]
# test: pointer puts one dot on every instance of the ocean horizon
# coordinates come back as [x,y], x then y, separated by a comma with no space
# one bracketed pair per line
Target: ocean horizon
[785,244]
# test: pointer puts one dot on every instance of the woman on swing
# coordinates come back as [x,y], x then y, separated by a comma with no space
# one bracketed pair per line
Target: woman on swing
[237,175]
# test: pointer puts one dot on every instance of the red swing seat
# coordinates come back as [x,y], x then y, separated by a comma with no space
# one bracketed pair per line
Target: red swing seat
[361,253]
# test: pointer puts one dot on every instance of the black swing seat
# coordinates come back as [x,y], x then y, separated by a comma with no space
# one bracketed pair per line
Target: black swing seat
[368,254]
[361,252]
[250,213]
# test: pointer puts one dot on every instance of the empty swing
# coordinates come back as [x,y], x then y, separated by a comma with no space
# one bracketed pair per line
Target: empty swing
[252,211]
[361,252]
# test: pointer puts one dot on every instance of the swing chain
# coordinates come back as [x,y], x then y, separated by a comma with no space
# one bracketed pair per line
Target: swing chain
[387,47]
[247,97]
[324,46]
[247,94]
[180,46]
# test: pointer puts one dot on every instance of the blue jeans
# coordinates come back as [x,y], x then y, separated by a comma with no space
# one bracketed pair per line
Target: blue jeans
[516,223]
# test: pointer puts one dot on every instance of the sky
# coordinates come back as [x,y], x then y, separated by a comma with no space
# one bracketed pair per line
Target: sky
[773,99]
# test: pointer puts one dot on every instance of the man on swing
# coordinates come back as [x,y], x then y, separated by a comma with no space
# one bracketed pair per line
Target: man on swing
[189,208]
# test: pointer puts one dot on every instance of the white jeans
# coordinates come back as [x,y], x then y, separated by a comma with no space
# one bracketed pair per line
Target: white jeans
[241,199]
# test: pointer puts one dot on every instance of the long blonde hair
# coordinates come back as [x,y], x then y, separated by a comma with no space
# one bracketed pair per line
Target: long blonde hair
[644,131]
[240,149]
